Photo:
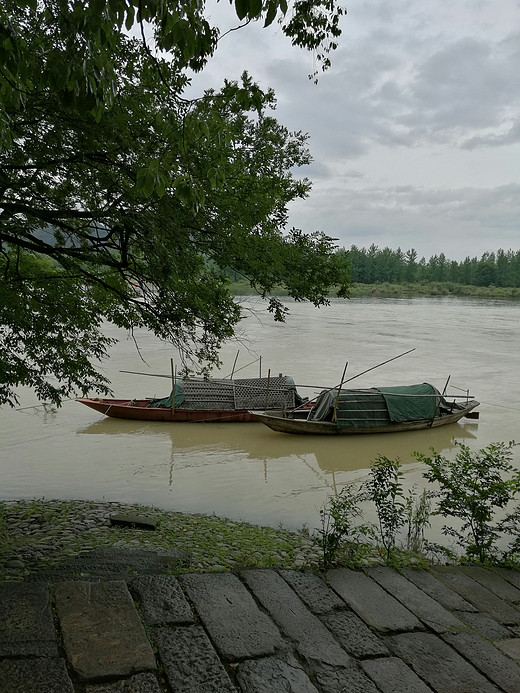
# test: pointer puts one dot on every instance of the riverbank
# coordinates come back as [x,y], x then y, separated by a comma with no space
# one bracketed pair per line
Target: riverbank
[38,535]
[261,630]
[407,290]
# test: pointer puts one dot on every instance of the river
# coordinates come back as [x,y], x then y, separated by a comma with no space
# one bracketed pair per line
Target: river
[246,471]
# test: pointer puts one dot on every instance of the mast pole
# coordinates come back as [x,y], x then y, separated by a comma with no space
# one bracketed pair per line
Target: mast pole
[335,412]
[173,385]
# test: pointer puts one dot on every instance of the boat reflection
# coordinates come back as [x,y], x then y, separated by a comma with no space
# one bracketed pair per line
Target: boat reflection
[201,444]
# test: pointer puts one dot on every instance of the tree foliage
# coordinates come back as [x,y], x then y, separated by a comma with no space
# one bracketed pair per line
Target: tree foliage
[377,265]
[120,198]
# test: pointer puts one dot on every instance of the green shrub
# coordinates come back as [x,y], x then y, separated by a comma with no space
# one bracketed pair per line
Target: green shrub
[397,515]
[339,523]
[472,488]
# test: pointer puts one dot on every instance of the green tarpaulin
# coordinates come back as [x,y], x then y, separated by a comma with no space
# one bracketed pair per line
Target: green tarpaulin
[166,402]
[377,406]
[411,402]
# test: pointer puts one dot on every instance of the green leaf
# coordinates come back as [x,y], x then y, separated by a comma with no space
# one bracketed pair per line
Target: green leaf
[242,8]
[271,14]
[183,191]
[255,8]
[145,182]
[130,18]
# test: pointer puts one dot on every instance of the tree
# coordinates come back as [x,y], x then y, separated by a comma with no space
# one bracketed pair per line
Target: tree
[411,265]
[486,273]
[120,199]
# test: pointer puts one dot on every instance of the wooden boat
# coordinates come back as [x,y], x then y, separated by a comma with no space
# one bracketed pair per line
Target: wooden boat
[215,400]
[374,410]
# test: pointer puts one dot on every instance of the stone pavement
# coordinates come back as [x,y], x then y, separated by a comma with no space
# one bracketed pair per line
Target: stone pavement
[450,630]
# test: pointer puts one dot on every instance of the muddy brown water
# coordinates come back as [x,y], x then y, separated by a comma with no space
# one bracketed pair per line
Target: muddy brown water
[246,471]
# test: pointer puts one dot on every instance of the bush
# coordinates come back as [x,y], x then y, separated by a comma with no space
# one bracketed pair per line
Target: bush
[342,532]
[472,488]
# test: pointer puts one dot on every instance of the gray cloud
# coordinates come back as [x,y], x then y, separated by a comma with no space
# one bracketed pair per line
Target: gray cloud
[510,136]
[458,222]
[414,131]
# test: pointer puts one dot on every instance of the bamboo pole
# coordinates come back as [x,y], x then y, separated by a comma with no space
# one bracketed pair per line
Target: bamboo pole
[445,388]
[173,385]
[315,387]
[335,412]
[378,365]
[267,389]
[159,375]
[244,367]
[234,364]
[362,373]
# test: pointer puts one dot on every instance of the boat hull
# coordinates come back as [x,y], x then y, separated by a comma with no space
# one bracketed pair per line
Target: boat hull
[283,424]
[141,411]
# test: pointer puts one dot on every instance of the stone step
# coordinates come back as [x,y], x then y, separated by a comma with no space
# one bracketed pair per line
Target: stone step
[114,563]
[258,631]
[102,633]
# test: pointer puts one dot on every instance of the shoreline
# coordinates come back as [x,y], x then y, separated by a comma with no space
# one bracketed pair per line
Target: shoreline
[407,290]
[40,534]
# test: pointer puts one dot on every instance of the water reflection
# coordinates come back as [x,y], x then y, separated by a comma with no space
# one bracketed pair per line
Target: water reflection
[205,442]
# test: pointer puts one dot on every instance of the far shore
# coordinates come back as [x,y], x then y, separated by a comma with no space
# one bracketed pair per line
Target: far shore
[411,290]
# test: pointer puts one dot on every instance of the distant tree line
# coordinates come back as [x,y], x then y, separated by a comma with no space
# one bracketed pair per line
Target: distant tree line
[376,265]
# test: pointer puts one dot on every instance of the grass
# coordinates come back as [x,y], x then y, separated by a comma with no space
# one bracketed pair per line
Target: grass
[385,289]
[214,543]
[3,532]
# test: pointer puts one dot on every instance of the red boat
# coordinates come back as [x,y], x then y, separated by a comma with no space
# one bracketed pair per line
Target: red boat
[205,400]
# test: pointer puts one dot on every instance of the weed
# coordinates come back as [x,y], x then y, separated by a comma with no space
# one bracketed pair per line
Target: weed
[418,510]
[472,488]
[385,490]
[339,525]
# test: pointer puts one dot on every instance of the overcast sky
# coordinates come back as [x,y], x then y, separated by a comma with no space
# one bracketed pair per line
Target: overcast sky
[414,130]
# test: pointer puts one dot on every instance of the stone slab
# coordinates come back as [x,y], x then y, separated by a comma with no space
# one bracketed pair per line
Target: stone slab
[114,563]
[342,679]
[140,683]
[34,676]
[493,581]
[372,604]
[133,520]
[391,675]
[354,636]
[437,590]
[478,595]
[313,591]
[487,659]
[418,602]
[102,633]
[161,600]
[439,665]
[511,647]
[272,675]
[312,639]
[26,624]
[510,574]
[233,620]
[485,625]
[190,662]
